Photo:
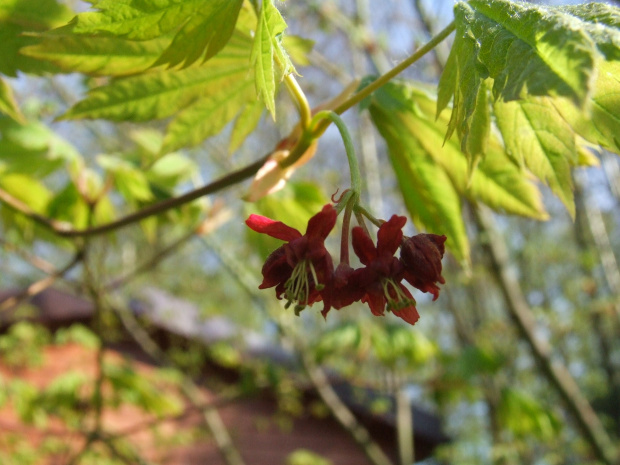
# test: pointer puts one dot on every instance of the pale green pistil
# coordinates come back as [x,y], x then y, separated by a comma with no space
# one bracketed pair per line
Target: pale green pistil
[396,298]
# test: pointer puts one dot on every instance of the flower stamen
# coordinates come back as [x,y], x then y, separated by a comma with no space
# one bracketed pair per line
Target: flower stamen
[299,286]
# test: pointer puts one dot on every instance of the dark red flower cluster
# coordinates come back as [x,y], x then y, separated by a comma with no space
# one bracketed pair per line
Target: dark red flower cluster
[302,269]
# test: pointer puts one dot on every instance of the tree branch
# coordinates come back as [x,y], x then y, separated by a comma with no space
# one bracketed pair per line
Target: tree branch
[38,262]
[39,286]
[200,407]
[342,413]
[63,229]
[556,373]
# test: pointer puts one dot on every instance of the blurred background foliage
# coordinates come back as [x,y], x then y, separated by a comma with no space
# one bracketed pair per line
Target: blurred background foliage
[467,358]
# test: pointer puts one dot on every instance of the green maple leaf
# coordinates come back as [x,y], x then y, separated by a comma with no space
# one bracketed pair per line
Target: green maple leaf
[209,115]
[434,176]
[203,27]
[245,123]
[23,16]
[269,58]
[8,105]
[33,149]
[203,98]
[536,136]
[206,32]
[601,125]
[601,22]
[96,55]
[431,198]
[526,50]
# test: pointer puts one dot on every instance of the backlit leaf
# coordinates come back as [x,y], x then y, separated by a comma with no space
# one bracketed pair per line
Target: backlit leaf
[96,55]
[21,16]
[34,149]
[205,33]
[534,133]
[161,94]
[135,19]
[209,115]
[245,123]
[602,23]
[433,202]
[433,175]
[602,124]
[527,50]
[204,98]
[8,105]
[270,60]
[203,27]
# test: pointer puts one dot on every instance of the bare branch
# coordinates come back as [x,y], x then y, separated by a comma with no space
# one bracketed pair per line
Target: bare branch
[63,229]
[342,413]
[40,285]
[39,263]
[556,373]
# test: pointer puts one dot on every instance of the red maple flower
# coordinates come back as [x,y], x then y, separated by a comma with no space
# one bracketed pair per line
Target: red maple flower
[421,256]
[381,278]
[301,268]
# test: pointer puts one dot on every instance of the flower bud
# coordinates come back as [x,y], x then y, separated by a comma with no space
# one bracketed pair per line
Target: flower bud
[421,257]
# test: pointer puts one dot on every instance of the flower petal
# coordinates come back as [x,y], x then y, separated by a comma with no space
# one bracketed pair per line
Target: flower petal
[409,314]
[376,302]
[321,224]
[276,269]
[390,235]
[277,229]
[363,246]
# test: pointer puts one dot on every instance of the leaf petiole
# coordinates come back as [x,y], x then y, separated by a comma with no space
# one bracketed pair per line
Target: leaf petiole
[305,114]
[388,76]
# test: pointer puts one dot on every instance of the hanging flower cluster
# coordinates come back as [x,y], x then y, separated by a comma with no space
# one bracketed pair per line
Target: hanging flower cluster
[302,270]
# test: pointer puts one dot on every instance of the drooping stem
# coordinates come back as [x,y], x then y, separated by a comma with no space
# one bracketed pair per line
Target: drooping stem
[360,221]
[356,177]
[318,129]
[346,225]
